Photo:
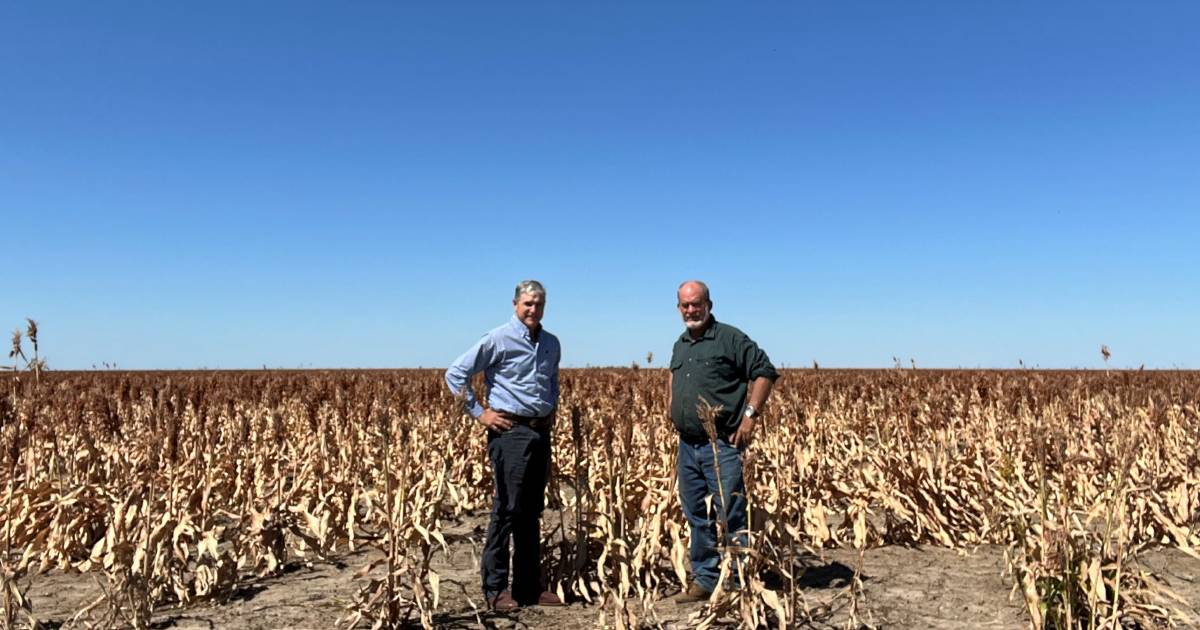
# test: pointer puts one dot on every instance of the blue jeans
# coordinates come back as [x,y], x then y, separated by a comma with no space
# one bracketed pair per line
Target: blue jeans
[697,481]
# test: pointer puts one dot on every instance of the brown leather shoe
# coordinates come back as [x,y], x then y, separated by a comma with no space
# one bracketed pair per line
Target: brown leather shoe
[503,602]
[693,593]
[548,599]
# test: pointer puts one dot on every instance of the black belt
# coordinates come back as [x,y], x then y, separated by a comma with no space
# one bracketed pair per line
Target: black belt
[533,422]
[693,440]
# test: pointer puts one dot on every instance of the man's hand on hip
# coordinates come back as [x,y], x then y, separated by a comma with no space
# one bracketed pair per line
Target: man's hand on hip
[744,434]
[495,421]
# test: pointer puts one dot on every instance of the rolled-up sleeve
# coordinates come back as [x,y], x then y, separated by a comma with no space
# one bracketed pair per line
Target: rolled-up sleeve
[754,361]
[473,361]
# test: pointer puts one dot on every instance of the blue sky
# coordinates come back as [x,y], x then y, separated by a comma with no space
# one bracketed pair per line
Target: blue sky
[361,184]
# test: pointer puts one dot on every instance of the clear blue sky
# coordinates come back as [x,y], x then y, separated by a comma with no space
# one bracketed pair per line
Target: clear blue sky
[361,184]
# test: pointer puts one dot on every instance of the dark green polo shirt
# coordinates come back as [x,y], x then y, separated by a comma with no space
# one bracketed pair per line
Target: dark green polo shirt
[719,366]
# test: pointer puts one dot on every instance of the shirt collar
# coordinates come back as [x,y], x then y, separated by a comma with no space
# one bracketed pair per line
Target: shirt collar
[709,333]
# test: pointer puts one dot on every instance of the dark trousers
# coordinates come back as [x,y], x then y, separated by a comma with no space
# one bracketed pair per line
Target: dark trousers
[520,463]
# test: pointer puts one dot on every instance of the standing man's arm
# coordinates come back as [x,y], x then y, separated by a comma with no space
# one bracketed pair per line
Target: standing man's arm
[760,390]
[458,378]
[554,388]
[761,374]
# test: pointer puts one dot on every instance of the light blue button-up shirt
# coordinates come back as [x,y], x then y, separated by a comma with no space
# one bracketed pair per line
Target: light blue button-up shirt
[522,376]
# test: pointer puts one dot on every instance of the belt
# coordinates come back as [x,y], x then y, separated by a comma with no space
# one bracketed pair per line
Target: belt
[533,422]
[693,440]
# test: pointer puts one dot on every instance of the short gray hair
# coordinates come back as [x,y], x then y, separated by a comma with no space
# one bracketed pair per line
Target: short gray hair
[703,288]
[529,286]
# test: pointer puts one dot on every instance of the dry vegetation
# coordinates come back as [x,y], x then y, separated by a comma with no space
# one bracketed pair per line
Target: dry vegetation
[176,488]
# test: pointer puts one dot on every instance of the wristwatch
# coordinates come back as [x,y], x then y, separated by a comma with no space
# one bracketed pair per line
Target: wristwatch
[750,411]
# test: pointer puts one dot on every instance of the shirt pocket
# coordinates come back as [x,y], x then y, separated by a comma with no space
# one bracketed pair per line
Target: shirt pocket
[676,364]
[544,359]
[719,367]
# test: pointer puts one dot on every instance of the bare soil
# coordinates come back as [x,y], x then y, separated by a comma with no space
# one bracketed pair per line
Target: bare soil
[903,587]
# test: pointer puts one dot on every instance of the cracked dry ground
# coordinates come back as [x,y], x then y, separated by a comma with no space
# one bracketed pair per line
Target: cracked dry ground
[903,587]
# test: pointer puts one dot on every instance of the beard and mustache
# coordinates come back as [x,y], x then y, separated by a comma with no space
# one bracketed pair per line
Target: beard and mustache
[697,322]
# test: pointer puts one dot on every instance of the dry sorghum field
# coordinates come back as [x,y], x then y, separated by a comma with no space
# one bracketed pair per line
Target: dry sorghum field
[171,495]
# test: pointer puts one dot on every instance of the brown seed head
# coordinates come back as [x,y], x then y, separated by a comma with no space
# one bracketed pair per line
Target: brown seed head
[708,417]
[16,345]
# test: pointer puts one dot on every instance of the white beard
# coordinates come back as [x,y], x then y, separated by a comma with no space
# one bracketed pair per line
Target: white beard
[696,324]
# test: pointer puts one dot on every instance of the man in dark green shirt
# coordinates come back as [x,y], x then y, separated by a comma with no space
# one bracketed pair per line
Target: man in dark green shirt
[720,365]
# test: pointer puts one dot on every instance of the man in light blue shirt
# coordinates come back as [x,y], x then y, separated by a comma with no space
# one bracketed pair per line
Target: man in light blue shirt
[519,361]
